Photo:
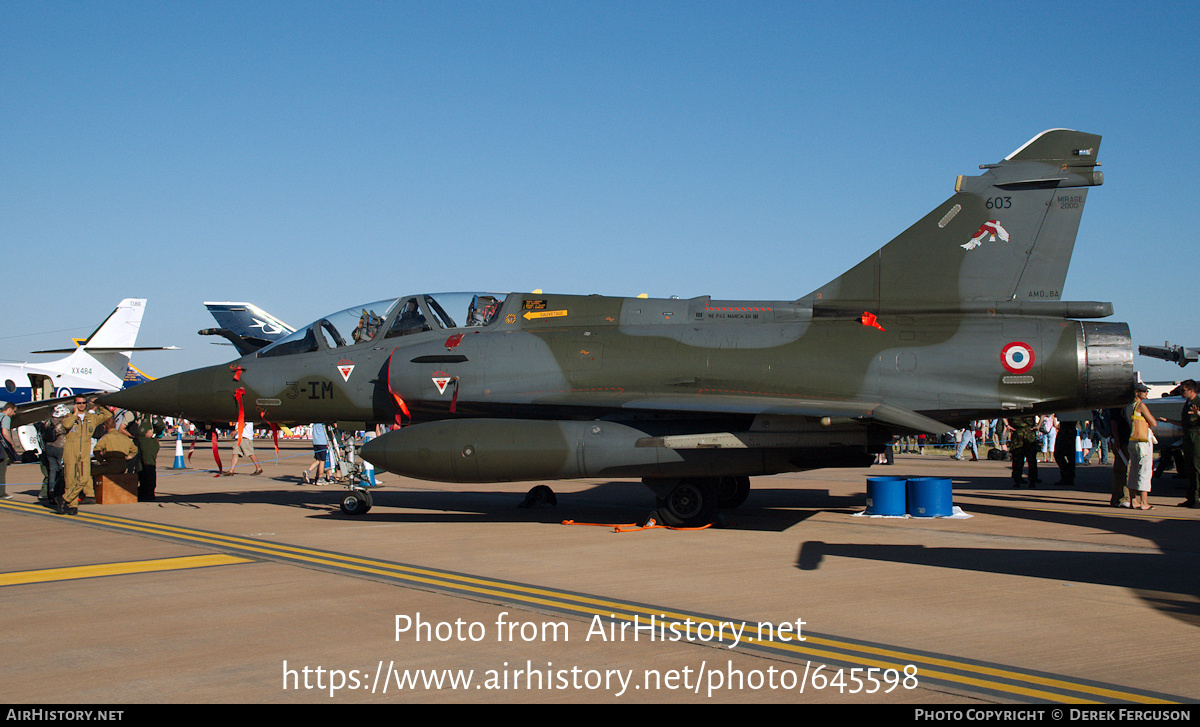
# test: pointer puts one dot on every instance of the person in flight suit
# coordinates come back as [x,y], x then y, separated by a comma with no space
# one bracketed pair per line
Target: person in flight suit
[115,450]
[77,453]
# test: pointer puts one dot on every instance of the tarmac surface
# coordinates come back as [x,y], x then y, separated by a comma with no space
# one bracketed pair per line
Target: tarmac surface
[257,589]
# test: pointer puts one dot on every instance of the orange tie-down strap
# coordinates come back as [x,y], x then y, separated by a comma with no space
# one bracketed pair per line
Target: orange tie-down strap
[216,455]
[651,524]
[396,395]
[274,430]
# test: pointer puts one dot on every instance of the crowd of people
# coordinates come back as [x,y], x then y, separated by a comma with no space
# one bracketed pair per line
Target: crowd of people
[70,459]
[1123,434]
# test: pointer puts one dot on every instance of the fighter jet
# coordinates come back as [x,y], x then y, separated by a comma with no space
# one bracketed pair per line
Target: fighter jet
[958,318]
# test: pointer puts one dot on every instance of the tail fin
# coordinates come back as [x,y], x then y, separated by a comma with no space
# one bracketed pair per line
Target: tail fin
[119,331]
[249,322]
[112,343]
[1005,235]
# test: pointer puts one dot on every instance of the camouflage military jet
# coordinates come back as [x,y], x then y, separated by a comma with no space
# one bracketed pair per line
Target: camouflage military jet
[958,318]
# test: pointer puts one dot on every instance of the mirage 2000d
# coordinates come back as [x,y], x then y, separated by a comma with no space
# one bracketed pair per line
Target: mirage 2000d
[957,318]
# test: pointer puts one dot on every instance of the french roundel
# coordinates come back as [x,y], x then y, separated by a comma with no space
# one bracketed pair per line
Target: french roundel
[1017,357]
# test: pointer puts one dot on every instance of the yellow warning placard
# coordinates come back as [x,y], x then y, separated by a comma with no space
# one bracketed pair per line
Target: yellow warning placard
[530,315]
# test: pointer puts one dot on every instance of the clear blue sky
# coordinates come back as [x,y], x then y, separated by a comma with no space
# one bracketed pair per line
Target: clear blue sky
[311,156]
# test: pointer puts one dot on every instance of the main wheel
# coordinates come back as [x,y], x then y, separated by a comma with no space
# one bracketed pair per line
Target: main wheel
[691,503]
[732,491]
[356,502]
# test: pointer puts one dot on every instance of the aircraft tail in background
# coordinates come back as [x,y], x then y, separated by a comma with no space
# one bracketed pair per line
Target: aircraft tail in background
[104,357]
[245,325]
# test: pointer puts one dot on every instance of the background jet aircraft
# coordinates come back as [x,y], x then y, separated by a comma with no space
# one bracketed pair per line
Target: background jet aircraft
[958,318]
[1167,352]
[246,326]
[100,363]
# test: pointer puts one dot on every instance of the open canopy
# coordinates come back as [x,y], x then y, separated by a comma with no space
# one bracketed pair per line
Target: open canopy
[390,318]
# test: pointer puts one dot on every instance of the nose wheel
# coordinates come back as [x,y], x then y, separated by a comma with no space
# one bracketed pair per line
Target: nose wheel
[356,502]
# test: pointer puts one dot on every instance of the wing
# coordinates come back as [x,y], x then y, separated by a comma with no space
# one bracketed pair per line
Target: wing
[36,411]
[717,405]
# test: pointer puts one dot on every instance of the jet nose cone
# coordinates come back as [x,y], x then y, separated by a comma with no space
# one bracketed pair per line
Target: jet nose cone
[160,396]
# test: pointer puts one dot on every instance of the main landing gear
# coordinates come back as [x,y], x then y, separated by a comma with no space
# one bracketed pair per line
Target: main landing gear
[693,501]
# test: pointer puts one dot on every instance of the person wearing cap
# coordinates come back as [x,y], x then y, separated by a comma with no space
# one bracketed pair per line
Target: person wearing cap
[7,451]
[115,451]
[1141,450]
[54,438]
[80,424]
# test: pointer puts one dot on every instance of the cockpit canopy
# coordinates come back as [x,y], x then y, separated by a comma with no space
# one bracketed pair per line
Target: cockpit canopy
[391,318]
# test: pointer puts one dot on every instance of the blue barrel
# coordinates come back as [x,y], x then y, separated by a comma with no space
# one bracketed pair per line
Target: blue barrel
[930,497]
[885,495]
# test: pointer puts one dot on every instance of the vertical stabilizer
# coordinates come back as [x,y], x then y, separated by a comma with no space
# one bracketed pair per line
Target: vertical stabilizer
[110,345]
[1006,234]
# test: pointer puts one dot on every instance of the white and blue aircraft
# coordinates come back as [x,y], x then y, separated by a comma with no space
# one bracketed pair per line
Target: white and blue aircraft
[99,364]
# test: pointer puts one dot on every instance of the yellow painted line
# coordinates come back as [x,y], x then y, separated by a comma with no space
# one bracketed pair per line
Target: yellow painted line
[977,676]
[118,569]
[815,646]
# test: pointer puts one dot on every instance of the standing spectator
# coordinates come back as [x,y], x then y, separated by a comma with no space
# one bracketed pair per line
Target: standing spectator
[1102,432]
[320,447]
[77,454]
[1064,452]
[1141,450]
[1023,446]
[245,448]
[149,429]
[1118,425]
[8,452]
[1189,421]
[999,434]
[967,440]
[54,437]
[1045,435]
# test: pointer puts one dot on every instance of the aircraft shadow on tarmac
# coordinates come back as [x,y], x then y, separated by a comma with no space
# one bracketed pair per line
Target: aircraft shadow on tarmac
[616,502]
[1164,578]
[1155,577]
